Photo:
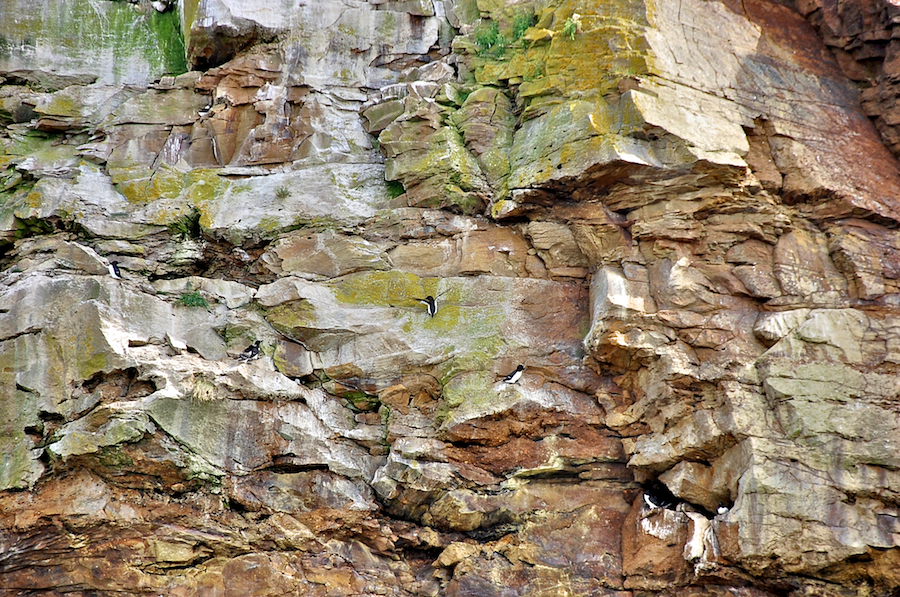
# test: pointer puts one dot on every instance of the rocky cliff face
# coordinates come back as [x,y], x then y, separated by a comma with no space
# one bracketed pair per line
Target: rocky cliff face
[680,218]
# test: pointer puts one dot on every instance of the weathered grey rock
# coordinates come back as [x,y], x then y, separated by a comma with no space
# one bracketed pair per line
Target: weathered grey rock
[432,162]
[556,245]
[486,121]
[365,34]
[327,255]
[233,294]
[300,492]
[107,426]
[260,209]
[287,430]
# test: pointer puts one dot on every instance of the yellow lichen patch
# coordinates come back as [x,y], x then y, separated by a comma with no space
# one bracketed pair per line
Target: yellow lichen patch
[168,183]
[381,288]
[204,185]
[137,191]
[292,316]
[61,104]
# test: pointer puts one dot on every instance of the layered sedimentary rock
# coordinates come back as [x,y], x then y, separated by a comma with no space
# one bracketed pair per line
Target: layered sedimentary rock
[681,219]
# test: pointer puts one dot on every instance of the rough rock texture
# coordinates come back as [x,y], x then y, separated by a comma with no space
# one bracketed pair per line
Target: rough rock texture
[681,218]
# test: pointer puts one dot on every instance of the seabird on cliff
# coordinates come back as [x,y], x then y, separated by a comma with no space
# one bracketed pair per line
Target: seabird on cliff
[515,375]
[114,270]
[205,111]
[430,304]
[251,352]
[657,495]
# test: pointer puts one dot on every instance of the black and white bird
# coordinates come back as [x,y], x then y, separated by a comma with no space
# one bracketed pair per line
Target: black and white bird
[657,495]
[430,304]
[650,503]
[205,110]
[515,375]
[114,270]
[251,352]
[722,509]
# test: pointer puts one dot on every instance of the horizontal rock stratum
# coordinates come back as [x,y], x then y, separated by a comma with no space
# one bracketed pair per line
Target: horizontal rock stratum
[679,220]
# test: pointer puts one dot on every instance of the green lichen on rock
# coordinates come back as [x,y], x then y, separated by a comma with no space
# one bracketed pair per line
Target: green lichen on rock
[609,45]
[291,318]
[434,166]
[487,122]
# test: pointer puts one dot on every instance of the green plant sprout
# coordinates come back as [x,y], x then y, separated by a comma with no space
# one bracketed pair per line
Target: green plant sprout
[521,22]
[193,299]
[489,40]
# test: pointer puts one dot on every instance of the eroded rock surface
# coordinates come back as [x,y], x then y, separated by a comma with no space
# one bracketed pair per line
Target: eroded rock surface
[680,218]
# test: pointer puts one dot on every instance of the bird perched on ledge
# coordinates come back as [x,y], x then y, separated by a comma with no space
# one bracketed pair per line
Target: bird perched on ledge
[114,270]
[251,352]
[515,375]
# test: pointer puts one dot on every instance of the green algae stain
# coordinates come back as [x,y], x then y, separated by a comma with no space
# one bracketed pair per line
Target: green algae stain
[92,36]
[171,48]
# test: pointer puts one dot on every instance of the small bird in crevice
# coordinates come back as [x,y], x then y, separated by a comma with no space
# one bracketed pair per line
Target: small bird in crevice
[657,495]
[114,270]
[430,304]
[205,110]
[251,352]
[515,375]
[722,509]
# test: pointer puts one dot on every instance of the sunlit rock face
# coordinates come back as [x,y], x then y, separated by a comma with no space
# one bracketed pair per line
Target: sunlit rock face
[340,225]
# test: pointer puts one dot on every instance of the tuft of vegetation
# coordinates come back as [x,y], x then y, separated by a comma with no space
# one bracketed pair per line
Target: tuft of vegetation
[282,192]
[203,390]
[521,22]
[187,226]
[193,299]
[489,40]
[395,188]
[571,26]
[536,72]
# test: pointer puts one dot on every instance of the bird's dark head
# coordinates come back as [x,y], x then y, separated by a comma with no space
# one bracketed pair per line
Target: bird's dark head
[114,262]
[520,368]
[257,343]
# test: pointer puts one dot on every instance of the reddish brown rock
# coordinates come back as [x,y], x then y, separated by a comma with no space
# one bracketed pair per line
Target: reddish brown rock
[497,251]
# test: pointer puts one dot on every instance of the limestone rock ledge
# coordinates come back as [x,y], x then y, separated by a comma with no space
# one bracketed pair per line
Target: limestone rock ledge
[678,217]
